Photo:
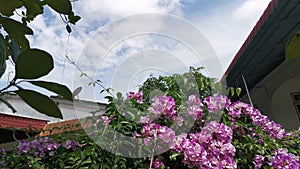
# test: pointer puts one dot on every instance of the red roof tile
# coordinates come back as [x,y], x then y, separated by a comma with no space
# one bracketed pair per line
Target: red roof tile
[66,126]
[17,122]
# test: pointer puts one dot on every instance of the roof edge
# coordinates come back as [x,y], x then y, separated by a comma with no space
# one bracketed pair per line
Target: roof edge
[268,11]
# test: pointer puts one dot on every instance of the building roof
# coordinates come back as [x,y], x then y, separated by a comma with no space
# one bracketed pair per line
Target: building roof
[264,48]
[23,123]
[66,126]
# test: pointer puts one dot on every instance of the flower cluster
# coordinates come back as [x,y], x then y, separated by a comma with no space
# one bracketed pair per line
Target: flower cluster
[104,119]
[2,156]
[235,110]
[157,164]
[258,161]
[195,107]
[71,144]
[163,105]
[283,159]
[138,97]
[153,131]
[216,102]
[210,148]
[43,146]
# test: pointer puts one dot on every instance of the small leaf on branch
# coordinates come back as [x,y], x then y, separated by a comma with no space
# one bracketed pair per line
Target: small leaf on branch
[69,30]
[40,102]
[238,91]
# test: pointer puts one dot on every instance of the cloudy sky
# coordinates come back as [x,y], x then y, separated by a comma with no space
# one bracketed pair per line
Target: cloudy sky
[121,42]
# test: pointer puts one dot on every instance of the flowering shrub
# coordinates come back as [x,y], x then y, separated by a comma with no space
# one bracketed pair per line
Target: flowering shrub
[192,127]
[39,152]
[242,138]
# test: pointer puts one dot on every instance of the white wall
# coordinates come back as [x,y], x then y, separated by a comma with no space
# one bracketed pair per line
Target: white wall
[277,103]
[283,109]
[272,94]
[69,111]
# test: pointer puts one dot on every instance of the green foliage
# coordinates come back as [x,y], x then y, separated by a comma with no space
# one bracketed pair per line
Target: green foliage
[8,7]
[248,139]
[233,91]
[62,90]
[31,60]
[180,86]
[17,31]
[40,102]
[30,63]
[60,6]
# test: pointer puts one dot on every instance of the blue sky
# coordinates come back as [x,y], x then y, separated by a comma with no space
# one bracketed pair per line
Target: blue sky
[224,23]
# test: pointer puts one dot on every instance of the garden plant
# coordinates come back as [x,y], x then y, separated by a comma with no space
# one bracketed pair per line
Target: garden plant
[186,122]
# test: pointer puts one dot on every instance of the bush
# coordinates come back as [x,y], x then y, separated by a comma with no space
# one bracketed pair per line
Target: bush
[184,124]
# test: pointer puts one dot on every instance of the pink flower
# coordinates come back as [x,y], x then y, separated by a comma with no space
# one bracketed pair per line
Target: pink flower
[195,107]
[216,102]
[138,97]
[106,120]
[156,163]
[163,105]
[258,161]
[166,134]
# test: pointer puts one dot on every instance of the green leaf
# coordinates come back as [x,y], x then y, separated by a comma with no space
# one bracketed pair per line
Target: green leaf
[59,89]
[69,30]
[7,7]
[73,18]
[40,102]
[232,91]
[60,6]
[34,8]
[238,91]
[17,31]
[2,55]
[14,50]
[33,64]
[119,95]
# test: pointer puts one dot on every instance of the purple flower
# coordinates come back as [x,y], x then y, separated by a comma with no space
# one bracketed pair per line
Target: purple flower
[163,105]
[138,97]
[144,119]
[283,159]
[70,144]
[156,163]
[275,130]
[210,148]
[51,153]
[216,102]
[2,153]
[258,161]
[166,134]
[195,107]
[106,120]
[178,120]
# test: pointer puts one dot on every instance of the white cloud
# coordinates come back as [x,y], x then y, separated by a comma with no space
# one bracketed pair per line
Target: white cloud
[226,28]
